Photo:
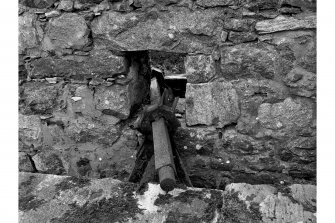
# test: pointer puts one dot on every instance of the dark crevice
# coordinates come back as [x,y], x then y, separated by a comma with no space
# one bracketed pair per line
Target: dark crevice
[32,162]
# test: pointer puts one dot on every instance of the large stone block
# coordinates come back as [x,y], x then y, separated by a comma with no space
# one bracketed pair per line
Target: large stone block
[211,104]
[158,31]
[282,23]
[272,206]
[199,68]
[100,63]
[248,60]
[252,93]
[86,129]
[67,31]
[96,159]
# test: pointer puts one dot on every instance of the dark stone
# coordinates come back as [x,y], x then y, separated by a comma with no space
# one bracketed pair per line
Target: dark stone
[41,98]
[241,37]
[25,163]
[49,162]
[116,209]
[37,4]
[100,63]
[234,210]
[240,25]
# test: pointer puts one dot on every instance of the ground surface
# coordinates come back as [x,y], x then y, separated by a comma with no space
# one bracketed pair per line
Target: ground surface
[52,198]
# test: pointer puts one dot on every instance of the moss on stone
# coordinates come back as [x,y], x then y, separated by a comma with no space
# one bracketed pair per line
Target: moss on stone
[29,202]
[235,211]
[116,209]
[71,182]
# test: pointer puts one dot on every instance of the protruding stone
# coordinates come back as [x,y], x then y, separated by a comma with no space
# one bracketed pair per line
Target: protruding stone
[53,13]
[282,23]
[211,104]
[199,68]
[67,31]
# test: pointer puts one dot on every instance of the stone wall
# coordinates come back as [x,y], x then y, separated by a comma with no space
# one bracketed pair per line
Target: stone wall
[250,109]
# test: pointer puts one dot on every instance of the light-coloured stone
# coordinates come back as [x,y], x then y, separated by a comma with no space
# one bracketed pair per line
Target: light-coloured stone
[30,127]
[304,194]
[251,193]
[66,5]
[280,209]
[28,37]
[282,23]
[199,68]
[211,104]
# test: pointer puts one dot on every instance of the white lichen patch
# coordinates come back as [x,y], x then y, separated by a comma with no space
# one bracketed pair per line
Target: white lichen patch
[49,180]
[216,217]
[76,98]
[147,200]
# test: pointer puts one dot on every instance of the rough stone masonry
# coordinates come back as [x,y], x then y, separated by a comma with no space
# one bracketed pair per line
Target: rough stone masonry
[249,115]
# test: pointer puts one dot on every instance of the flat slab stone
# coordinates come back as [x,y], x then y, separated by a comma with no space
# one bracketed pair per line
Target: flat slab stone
[282,23]
[51,198]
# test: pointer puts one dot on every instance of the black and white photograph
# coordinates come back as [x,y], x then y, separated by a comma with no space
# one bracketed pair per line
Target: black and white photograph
[168,111]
